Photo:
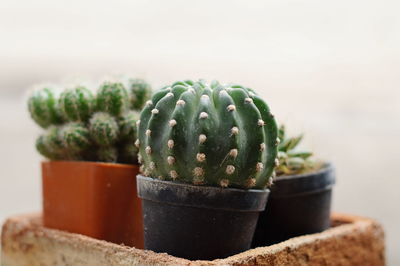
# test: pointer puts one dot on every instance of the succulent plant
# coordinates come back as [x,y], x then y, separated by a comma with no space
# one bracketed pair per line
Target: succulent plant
[140,92]
[128,126]
[291,160]
[66,142]
[50,144]
[75,137]
[208,134]
[76,104]
[112,98]
[43,107]
[84,126]
[103,129]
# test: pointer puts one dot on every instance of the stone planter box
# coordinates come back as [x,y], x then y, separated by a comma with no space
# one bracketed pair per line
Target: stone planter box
[351,241]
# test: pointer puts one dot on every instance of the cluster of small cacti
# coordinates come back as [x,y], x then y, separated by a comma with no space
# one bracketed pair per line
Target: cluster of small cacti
[292,161]
[193,132]
[208,134]
[81,125]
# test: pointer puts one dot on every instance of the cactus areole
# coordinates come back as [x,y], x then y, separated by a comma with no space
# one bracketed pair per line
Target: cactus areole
[208,134]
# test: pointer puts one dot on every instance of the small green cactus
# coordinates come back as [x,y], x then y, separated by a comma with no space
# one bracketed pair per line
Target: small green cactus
[128,126]
[208,134]
[112,98]
[103,129]
[50,144]
[43,107]
[140,92]
[75,137]
[83,126]
[76,104]
[291,161]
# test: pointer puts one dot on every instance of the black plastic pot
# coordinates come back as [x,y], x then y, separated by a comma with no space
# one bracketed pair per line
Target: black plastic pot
[198,222]
[298,205]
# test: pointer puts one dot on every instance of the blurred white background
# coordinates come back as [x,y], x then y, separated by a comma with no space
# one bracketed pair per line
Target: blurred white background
[328,68]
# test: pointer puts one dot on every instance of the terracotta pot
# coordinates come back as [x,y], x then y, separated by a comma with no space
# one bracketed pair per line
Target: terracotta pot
[93,199]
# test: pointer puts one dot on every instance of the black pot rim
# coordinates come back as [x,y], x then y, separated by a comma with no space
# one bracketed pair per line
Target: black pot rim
[294,185]
[182,194]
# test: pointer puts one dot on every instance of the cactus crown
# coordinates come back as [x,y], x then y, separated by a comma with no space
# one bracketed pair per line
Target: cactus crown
[291,160]
[208,134]
[81,125]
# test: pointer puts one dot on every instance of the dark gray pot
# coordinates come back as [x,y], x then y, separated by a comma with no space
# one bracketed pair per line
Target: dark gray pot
[298,205]
[198,222]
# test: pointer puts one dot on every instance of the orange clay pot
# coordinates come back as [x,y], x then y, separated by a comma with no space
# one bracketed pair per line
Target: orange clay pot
[93,199]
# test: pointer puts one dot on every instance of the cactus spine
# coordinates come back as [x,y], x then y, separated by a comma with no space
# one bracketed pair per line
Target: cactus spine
[208,134]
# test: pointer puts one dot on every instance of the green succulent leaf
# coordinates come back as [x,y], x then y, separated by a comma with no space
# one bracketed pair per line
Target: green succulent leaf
[291,160]
[300,154]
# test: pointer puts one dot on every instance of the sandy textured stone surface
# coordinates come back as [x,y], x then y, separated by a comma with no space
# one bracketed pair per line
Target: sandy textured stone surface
[353,241]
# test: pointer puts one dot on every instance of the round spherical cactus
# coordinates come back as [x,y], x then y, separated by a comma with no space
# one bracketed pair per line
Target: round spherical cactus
[103,129]
[208,134]
[112,98]
[76,104]
[50,144]
[75,137]
[140,92]
[43,107]
[128,126]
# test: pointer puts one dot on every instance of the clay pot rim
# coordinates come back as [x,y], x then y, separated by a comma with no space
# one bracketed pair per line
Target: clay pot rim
[92,163]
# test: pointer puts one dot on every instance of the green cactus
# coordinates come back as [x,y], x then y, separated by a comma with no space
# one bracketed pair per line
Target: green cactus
[76,104]
[83,126]
[50,144]
[128,125]
[208,134]
[103,129]
[112,98]
[140,92]
[75,138]
[292,161]
[43,107]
